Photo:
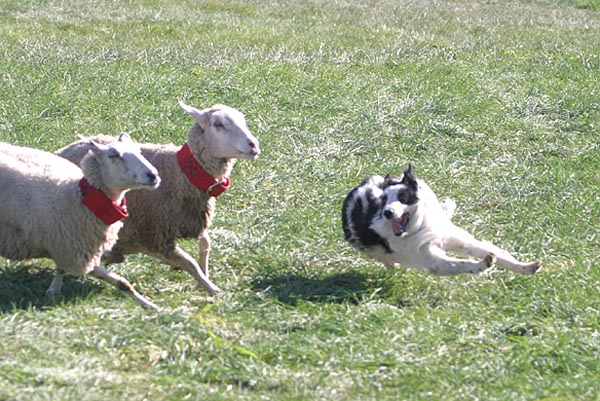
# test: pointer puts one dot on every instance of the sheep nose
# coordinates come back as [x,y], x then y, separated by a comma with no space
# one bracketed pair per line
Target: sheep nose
[388,213]
[254,149]
[151,176]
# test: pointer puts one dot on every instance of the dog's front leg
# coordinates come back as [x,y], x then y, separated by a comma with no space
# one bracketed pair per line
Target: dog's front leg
[389,264]
[379,255]
[437,262]
[464,243]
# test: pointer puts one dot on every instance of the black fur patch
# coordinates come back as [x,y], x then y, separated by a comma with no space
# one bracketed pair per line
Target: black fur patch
[357,231]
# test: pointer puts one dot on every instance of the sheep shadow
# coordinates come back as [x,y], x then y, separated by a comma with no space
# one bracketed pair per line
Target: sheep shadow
[24,287]
[289,288]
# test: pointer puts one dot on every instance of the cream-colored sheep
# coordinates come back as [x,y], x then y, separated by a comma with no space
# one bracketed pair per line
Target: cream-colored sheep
[184,205]
[51,208]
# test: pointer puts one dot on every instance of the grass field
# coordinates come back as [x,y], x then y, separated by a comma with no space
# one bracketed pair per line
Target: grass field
[496,103]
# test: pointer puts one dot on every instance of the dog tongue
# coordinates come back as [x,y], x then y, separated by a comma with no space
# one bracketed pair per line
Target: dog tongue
[399,225]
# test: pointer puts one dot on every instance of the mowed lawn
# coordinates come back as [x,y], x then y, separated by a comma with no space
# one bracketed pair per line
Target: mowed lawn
[496,104]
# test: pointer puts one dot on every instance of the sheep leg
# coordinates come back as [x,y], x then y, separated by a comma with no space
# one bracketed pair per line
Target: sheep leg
[123,285]
[204,244]
[56,284]
[112,256]
[179,259]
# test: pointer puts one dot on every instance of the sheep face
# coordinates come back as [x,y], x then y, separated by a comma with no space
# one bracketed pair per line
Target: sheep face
[225,131]
[123,166]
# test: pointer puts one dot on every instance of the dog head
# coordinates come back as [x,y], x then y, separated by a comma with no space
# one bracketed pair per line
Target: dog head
[400,199]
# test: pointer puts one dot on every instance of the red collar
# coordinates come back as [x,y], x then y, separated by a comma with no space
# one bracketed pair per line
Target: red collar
[198,176]
[101,205]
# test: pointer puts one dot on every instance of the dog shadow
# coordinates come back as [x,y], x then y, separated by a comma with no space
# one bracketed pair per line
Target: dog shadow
[24,287]
[344,287]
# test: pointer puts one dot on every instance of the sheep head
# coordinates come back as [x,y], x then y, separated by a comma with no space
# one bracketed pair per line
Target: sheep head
[122,165]
[226,134]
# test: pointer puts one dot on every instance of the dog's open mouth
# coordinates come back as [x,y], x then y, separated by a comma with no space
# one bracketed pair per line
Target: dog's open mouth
[399,224]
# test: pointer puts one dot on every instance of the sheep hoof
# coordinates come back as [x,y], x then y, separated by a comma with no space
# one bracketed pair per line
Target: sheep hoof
[212,289]
[147,304]
[150,306]
[52,294]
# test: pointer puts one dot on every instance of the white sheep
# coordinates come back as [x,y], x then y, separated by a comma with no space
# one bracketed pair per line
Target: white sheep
[51,208]
[183,206]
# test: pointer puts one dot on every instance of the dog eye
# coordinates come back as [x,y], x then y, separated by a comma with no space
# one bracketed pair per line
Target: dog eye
[408,198]
[405,198]
[218,124]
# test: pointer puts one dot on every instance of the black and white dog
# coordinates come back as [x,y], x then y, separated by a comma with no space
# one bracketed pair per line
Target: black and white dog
[402,221]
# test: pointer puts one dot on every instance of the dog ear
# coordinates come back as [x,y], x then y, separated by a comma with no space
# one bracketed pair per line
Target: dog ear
[410,179]
[389,181]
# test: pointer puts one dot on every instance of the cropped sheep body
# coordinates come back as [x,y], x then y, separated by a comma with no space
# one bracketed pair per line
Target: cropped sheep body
[41,214]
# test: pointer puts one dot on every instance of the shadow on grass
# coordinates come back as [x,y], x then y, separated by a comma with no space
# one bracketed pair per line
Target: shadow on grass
[290,287]
[25,286]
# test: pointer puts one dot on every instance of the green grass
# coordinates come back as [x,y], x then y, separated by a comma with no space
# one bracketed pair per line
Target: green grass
[495,103]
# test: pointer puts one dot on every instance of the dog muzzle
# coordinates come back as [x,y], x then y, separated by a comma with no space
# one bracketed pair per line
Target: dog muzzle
[399,224]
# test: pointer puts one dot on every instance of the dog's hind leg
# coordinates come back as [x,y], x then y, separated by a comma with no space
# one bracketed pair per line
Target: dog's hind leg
[435,261]
[464,243]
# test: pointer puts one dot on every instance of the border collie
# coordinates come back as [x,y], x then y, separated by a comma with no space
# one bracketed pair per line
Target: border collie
[402,221]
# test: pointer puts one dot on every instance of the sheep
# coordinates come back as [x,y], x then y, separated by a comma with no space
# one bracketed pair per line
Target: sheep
[193,176]
[51,208]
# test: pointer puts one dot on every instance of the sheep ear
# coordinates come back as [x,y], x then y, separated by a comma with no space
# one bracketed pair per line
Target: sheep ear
[124,137]
[202,116]
[96,147]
